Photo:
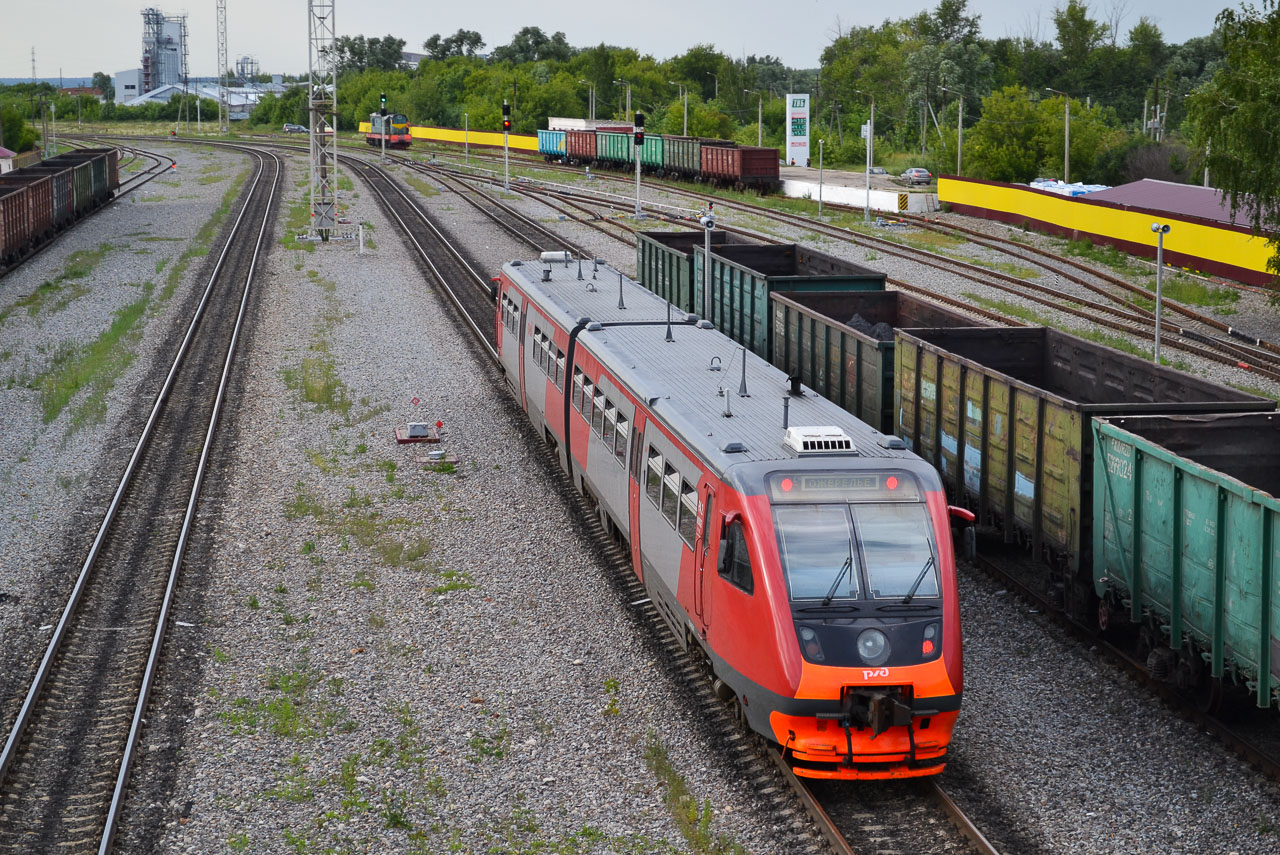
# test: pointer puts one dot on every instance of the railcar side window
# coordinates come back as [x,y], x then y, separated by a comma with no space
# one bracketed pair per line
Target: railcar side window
[577,388]
[653,481]
[735,559]
[610,423]
[688,512]
[620,442]
[597,412]
[670,492]
[560,370]
[588,389]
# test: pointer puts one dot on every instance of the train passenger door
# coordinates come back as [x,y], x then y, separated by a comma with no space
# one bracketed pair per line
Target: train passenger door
[524,319]
[706,545]
[635,462]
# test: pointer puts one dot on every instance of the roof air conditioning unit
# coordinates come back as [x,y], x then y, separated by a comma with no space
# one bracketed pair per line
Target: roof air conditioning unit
[817,440]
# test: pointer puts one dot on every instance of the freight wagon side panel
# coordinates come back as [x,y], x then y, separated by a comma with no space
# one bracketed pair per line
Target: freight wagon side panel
[651,151]
[113,169]
[1059,483]
[950,405]
[15,220]
[906,368]
[551,143]
[82,187]
[581,145]
[613,148]
[975,440]
[1195,545]
[998,424]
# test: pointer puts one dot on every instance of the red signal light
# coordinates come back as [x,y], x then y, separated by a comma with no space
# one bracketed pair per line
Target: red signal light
[892,482]
[927,647]
[506,124]
[787,485]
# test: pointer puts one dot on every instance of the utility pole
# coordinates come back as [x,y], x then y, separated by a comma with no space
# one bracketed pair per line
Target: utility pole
[323,95]
[224,116]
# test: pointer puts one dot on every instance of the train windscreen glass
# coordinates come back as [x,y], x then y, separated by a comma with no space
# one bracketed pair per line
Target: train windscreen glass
[853,536]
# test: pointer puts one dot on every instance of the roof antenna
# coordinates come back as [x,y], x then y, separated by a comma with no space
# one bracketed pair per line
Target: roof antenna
[670,337]
[742,387]
[595,265]
[579,266]
[786,412]
[622,305]
[728,407]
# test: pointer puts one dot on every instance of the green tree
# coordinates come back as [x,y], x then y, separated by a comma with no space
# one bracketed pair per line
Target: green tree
[1234,114]
[1003,145]
[18,135]
[531,44]
[102,82]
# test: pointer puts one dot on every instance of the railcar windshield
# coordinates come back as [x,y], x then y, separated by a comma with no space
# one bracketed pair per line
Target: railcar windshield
[856,550]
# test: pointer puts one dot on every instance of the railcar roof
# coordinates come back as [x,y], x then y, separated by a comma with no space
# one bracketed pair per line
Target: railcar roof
[677,381]
[574,300]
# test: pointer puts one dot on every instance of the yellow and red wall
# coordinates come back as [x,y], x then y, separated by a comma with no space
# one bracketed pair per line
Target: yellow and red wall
[1194,243]
[518,142]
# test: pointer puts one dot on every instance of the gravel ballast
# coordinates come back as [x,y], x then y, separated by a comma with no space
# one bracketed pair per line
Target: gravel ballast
[86,325]
[400,657]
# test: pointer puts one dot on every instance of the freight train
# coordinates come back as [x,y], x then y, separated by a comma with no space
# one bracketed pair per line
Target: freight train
[393,127]
[802,555]
[1085,455]
[37,202]
[718,162]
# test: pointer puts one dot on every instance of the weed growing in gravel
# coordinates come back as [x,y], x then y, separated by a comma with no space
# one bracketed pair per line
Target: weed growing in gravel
[362,581]
[1193,292]
[455,580]
[203,239]
[1254,390]
[79,265]
[355,500]
[443,467]
[303,504]
[297,217]
[611,686]
[377,620]
[361,448]
[421,186]
[96,366]
[693,821]
[308,547]
[328,464]
[1107,256]
[239,842]
[388,468]
[1008,309]
[494,746]
[316,379]
[253,601]
[294,785]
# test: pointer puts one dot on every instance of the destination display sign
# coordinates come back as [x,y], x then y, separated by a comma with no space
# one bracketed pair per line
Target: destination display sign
[877,486]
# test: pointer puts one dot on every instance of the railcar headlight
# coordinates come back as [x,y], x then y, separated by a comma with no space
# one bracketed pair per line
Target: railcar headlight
[873,647]
[812,647]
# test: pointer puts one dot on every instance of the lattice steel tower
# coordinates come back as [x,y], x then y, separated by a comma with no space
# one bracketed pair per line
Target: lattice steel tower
[223,109]
[323,88]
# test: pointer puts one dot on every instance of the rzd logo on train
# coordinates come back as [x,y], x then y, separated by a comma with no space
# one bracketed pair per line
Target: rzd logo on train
[878,672]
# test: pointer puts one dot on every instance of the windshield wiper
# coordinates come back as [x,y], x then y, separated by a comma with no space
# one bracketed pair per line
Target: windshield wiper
[919,579]
[844,568]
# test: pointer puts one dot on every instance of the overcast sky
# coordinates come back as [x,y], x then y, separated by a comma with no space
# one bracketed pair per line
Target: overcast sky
[80,38]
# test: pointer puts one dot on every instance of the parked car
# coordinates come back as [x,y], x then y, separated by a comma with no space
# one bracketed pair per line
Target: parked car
[294,129]
[917,175]
[878,170]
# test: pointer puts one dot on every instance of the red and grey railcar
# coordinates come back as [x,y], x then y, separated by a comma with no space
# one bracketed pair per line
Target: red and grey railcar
[805,555]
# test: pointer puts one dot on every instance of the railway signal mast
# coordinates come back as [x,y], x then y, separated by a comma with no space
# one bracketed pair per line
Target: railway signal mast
[383,114]
[639,146]
[323,94]
[506,129]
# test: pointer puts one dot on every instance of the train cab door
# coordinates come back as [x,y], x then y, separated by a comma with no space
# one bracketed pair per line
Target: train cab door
[706,548]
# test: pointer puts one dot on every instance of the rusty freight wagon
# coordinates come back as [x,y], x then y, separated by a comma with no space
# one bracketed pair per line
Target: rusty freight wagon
[1004,416]
[741,167]
[841,344]
[1186,545]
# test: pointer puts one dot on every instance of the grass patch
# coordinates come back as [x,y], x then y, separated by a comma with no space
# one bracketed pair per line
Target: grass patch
[1008,309]
[1254,390]
[291,711]
[297,219]
[1107,256]
[454,580]
[423,187]
[1193,292]
[693,820]
[203,239]
[316,379]
[96,366]
[53,293]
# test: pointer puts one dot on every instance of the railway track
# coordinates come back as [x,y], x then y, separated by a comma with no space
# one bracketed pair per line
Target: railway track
[1202,335]
[1258,746]
[65,765]
[923,814]
[159,164]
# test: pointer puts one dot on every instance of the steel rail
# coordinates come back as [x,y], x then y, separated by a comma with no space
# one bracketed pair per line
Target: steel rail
[55,642]
[976,838]
[479,281]
[157,643]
